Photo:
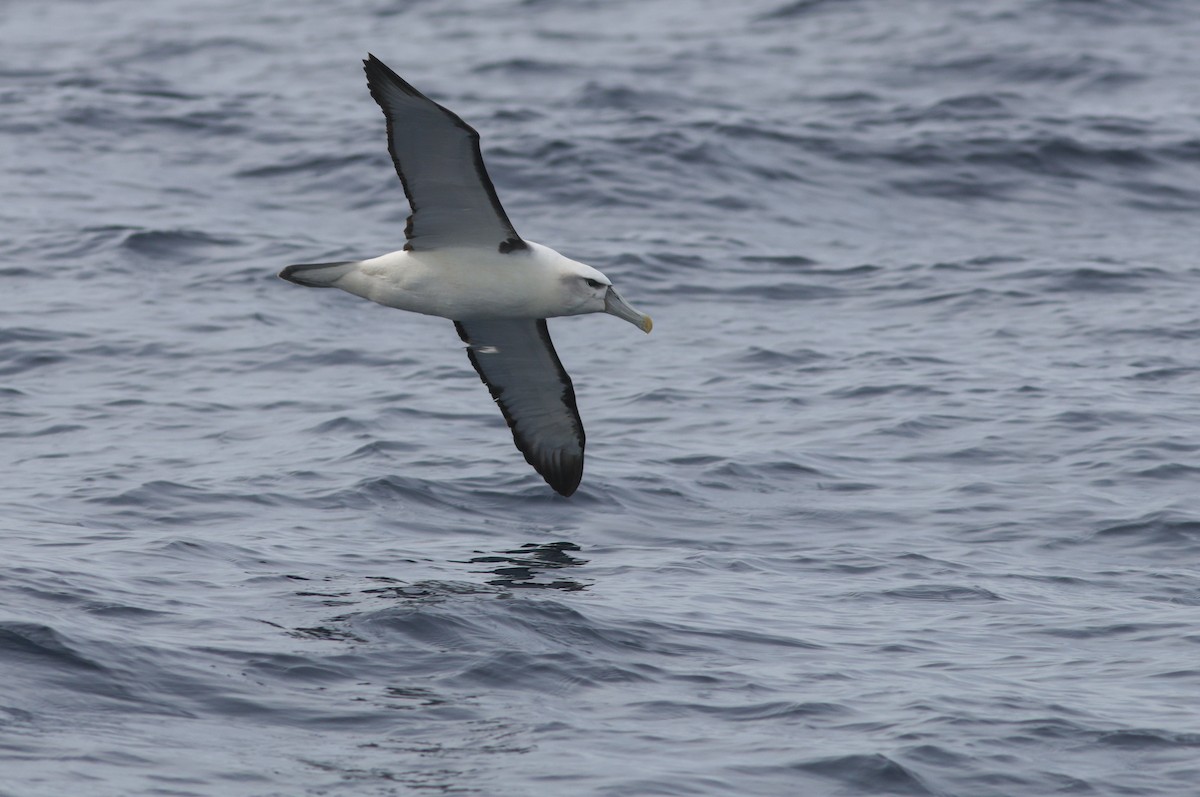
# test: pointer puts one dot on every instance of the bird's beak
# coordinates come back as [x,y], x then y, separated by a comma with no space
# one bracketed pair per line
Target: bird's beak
[614,304]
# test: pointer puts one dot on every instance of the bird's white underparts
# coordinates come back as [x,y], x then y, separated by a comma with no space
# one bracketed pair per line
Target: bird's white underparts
[464,261]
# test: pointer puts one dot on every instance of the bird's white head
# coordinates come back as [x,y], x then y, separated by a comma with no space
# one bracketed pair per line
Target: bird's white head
[583,289]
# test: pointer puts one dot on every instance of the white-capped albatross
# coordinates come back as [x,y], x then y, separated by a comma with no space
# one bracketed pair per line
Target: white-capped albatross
[464,261]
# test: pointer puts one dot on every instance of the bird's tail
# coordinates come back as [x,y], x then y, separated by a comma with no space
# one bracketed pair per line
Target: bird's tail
[318,275]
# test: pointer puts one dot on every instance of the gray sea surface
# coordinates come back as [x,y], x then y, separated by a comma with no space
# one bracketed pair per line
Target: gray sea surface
[899,498]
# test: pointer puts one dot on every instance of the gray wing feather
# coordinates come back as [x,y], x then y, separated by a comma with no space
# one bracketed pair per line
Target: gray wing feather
[439,163]
[517,361]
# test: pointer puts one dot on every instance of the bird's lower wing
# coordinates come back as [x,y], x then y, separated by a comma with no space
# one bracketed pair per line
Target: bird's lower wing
[516,360]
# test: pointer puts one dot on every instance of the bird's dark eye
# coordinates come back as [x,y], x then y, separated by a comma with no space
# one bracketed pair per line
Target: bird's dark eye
[593,283]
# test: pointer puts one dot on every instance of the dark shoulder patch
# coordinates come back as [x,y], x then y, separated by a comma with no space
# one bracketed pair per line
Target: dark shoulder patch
[512,245]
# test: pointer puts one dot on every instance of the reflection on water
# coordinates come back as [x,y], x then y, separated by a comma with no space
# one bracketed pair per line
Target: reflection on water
[526,567]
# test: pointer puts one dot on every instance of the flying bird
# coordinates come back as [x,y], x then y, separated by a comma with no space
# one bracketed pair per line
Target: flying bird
[464,261]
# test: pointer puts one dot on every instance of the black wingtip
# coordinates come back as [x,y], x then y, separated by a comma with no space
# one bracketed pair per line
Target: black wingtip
[377,70]
[565,483]
[562,470]
[372,65]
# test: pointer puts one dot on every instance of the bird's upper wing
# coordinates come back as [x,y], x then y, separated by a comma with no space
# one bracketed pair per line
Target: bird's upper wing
[517,361]
[437,157]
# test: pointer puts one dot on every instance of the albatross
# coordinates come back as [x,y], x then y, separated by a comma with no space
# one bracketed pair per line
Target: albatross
[464,261]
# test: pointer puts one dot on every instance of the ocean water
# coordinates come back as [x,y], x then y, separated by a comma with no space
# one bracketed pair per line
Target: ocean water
[899,498]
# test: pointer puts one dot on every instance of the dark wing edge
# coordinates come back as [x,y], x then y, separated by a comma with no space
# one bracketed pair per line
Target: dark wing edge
[377,71]
[562,465]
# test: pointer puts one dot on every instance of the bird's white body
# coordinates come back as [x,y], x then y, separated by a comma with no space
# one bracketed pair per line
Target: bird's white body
[469,282]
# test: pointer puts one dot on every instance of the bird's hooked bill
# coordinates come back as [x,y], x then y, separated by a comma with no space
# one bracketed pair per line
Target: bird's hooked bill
[615,305]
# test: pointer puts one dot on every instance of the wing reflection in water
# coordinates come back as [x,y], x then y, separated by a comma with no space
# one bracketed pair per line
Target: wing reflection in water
[527,566]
